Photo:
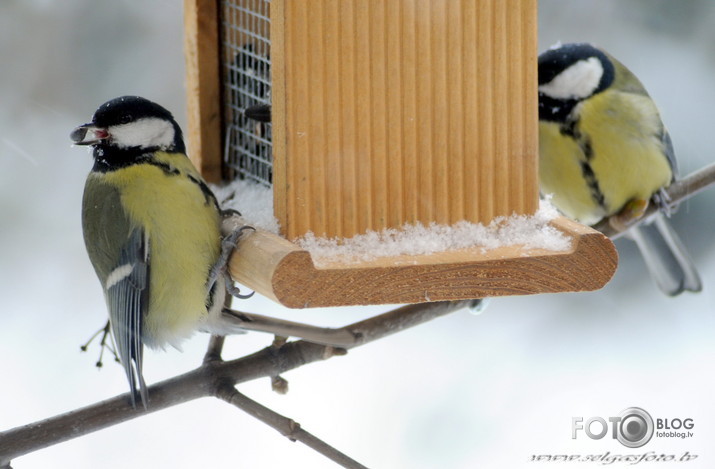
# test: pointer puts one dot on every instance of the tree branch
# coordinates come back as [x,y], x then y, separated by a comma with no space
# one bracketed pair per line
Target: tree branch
[680,190]
[285,426]
[207,380]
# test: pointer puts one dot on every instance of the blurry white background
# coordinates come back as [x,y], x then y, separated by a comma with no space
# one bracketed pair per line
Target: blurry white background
[464,391]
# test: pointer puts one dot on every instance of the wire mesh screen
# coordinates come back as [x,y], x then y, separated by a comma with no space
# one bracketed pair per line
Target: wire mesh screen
[246,76]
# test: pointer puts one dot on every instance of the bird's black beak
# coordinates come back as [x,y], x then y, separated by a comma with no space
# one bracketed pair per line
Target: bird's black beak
[88,134]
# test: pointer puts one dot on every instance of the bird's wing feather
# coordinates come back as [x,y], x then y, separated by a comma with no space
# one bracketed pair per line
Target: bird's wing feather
[669,151]
[127,300]
[119,252]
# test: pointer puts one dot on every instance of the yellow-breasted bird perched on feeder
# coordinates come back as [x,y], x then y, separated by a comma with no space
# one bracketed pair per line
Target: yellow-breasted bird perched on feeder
[604,153]
[152,231]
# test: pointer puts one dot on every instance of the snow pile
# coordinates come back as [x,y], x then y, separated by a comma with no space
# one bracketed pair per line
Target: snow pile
[531,232]
[254,202]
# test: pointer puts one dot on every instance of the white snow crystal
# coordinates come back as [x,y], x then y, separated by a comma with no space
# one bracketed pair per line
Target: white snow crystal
[530,232]
[254,202]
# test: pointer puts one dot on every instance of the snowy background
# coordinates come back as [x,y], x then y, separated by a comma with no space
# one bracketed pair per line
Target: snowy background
[464,391]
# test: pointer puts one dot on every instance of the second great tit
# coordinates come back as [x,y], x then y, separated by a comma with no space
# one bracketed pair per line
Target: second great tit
[604,153]
[152,231]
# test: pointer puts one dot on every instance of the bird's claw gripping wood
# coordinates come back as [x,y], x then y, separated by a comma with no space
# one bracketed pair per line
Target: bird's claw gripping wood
[228,244]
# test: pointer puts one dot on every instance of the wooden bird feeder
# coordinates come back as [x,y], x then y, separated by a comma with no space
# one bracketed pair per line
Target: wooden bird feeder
[384,112]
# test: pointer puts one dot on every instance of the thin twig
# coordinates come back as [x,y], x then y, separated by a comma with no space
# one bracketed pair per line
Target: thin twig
[338,337]
[204,380]
[285,426]
[213,352]
[679,191]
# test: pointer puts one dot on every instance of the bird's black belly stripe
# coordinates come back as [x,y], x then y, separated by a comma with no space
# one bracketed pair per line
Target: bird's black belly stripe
[570,129]
[171,171]
[592,183]
[208,194]
[168,169]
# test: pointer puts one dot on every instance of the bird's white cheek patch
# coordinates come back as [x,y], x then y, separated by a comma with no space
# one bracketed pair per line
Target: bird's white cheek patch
[150,132]
[118,274]
[578,81]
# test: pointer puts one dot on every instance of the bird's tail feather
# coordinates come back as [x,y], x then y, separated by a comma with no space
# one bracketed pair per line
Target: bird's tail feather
[668,261]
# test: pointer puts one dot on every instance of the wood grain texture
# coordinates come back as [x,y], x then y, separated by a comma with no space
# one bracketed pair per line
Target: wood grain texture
[278,111]
[402,111]
[203,88]
[283,272]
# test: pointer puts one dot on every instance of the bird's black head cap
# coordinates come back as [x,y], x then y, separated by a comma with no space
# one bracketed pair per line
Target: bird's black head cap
[126,129]
[568,74]
[125,109]
[554,61]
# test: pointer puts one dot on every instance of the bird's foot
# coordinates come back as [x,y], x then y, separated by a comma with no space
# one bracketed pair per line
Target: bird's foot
[629,214]
[663,201]
[228,245]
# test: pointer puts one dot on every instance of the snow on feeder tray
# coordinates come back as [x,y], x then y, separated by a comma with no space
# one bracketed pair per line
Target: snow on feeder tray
[388,118]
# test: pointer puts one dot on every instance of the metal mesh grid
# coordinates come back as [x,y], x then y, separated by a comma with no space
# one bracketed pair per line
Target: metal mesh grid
[245,71]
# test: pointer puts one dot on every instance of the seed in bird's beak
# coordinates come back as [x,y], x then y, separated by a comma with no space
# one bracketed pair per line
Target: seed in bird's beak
[88,134]
[78,134]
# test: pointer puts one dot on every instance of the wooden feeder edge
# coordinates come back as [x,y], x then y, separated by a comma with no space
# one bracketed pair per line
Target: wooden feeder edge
[280,270]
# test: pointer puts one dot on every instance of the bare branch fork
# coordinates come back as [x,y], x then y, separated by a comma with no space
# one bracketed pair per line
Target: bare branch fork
[679,191]
[217,378]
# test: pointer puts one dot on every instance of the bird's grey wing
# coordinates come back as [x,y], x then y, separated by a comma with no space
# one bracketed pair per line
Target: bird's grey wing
[119,252]
[127,291]
[669,152]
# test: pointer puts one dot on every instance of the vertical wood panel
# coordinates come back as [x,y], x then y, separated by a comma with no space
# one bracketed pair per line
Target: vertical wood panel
[297,151]
[362,109]
[333,157]
[500,194]
[348,75]
[516,135]
[379,155]
[405,111]
[472,89]
[442,156]
[409,79]
[282,207]
[396,175]
[313,111]
[425,113]
[455,98]
[485,109]
[530,111]
[203,86]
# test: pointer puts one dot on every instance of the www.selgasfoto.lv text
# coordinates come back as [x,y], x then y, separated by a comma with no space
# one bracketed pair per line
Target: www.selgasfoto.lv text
[608,458]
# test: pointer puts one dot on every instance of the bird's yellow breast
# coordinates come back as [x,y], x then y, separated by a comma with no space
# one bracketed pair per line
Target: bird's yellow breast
[561,175]
[182,226]
[627,157]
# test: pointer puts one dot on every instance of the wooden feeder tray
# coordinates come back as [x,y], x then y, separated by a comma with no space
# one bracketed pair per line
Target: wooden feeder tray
[280,270]
[383,114]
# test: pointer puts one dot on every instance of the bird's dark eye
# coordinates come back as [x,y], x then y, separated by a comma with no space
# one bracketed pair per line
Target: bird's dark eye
[126,118]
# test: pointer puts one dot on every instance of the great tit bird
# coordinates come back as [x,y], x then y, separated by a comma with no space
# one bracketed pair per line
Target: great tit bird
[152,231]
[604,153]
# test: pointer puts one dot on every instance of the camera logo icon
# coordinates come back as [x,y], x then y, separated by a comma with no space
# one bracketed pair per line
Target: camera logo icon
[633,427]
